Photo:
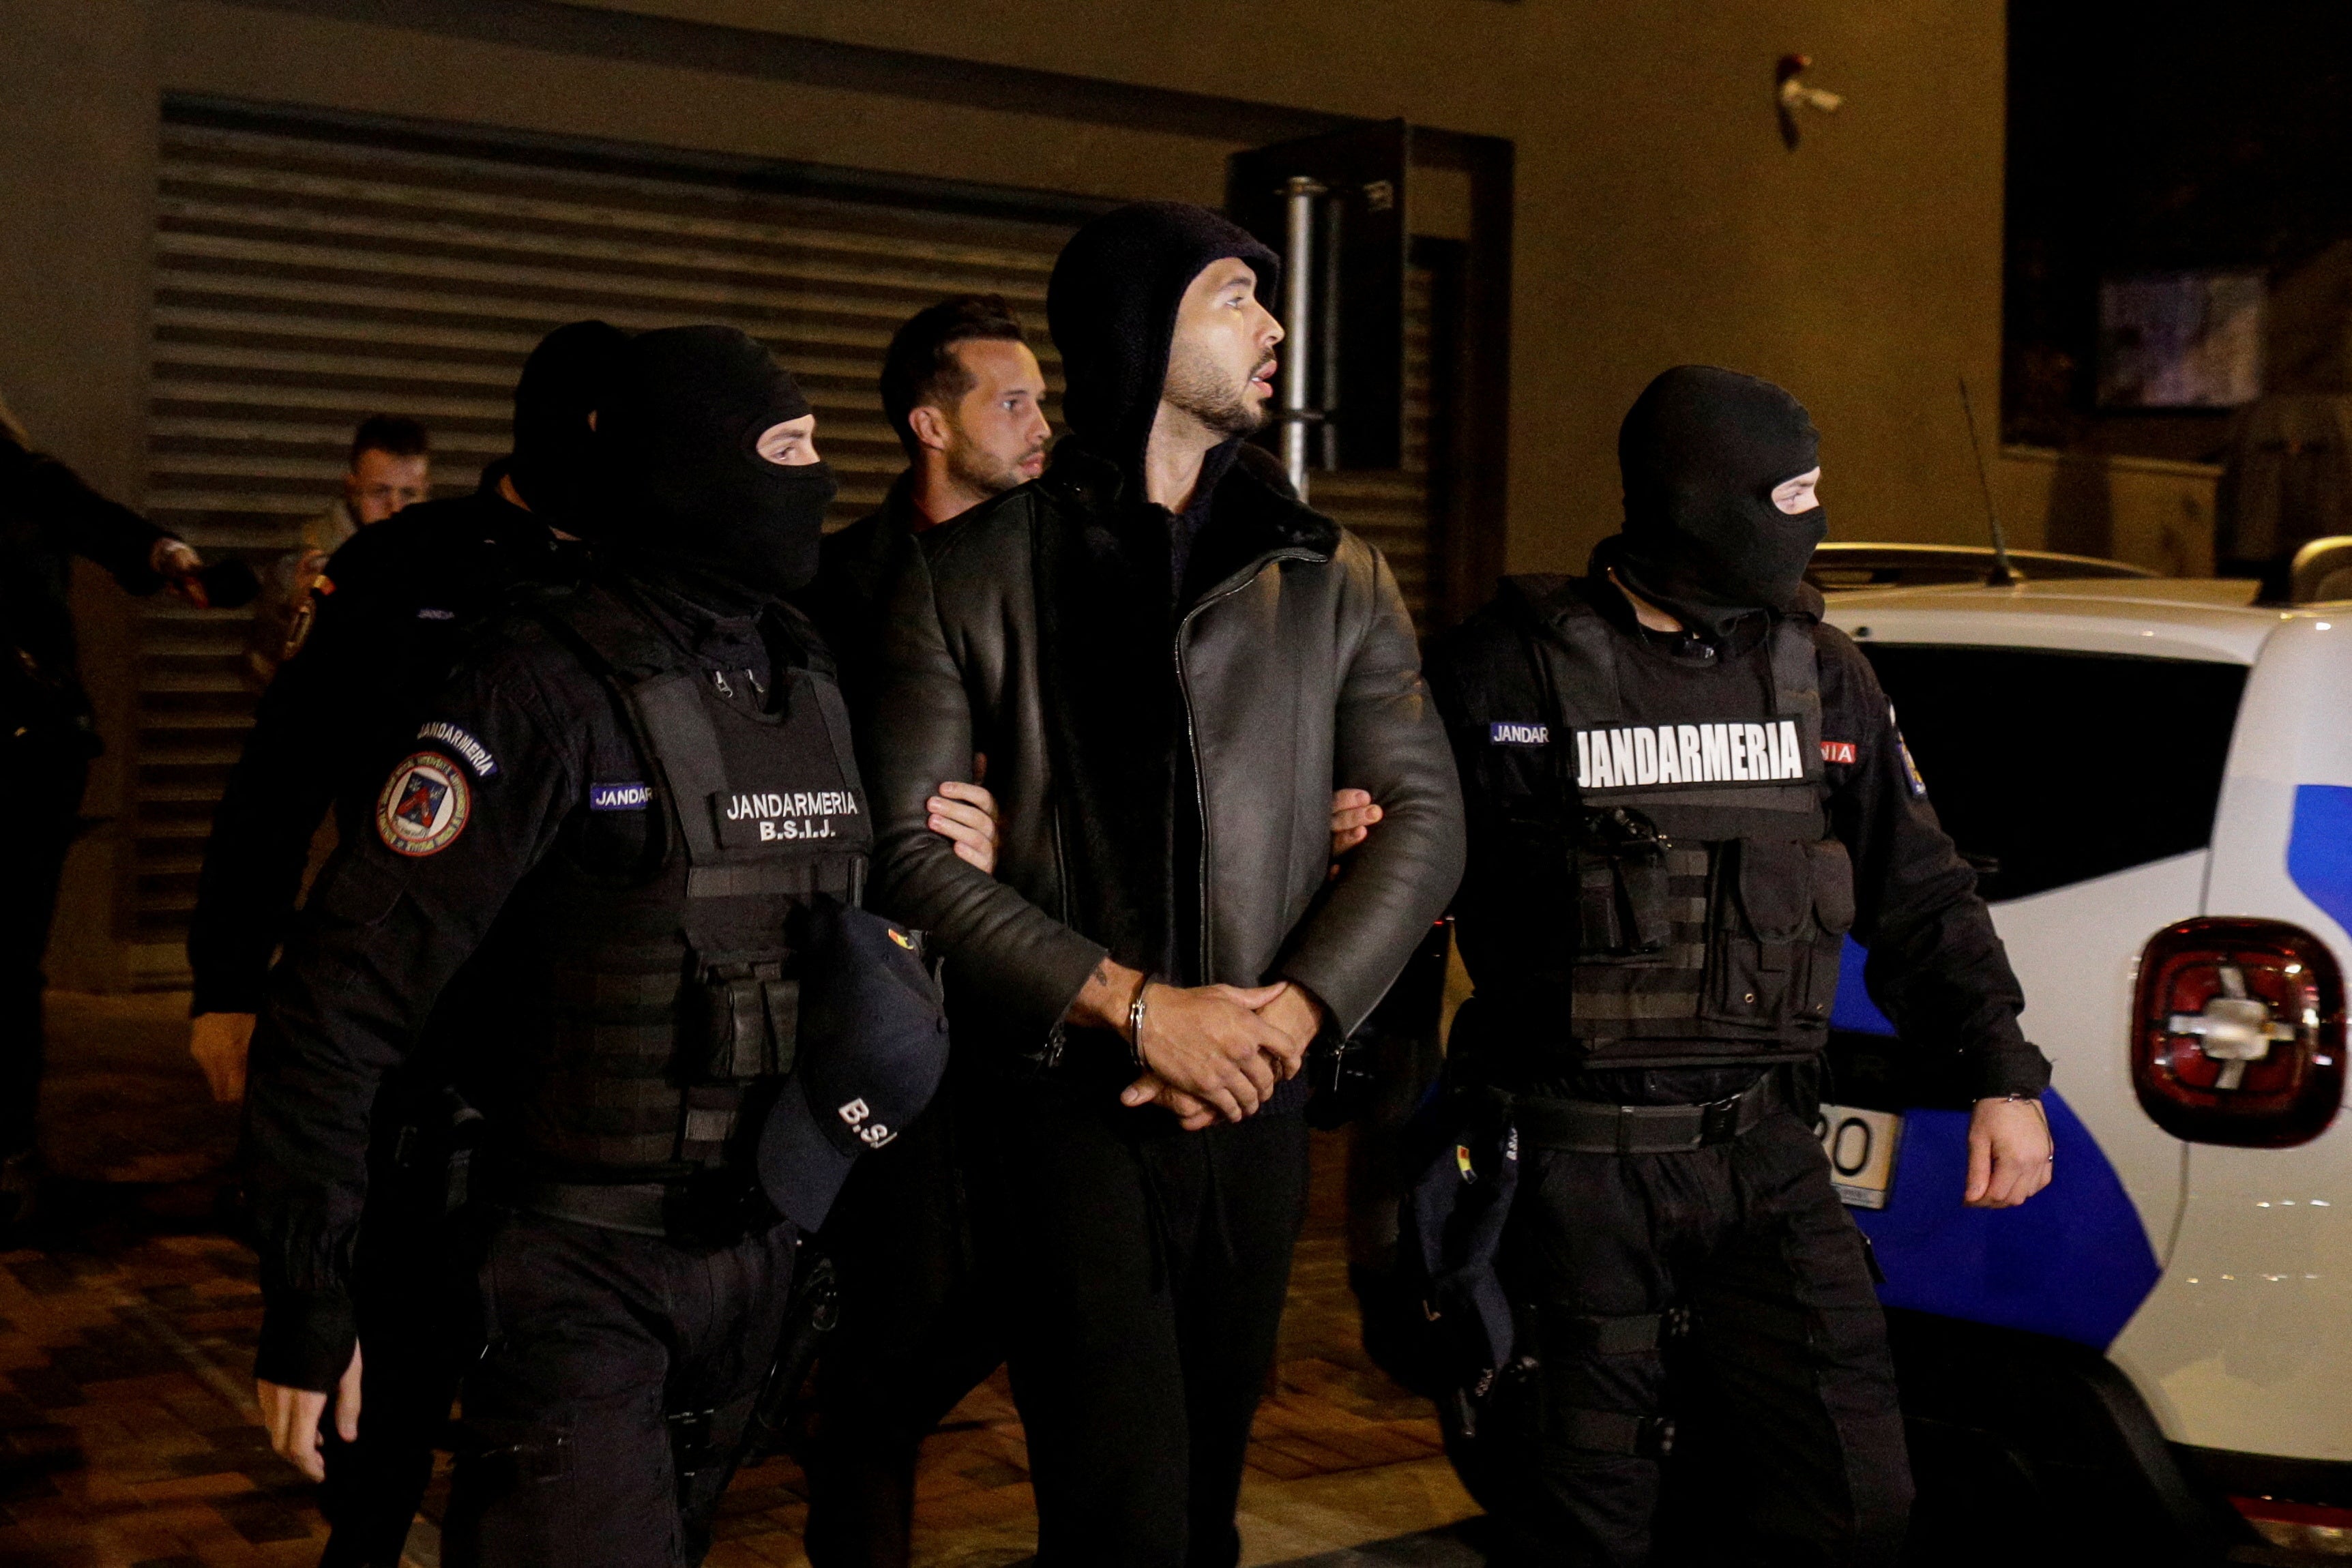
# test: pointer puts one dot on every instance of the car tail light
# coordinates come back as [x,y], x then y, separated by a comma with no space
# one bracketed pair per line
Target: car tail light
[2299,1527]
[2238,1032]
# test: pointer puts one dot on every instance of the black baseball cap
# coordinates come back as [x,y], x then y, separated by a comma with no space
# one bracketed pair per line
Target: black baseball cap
[873,1048]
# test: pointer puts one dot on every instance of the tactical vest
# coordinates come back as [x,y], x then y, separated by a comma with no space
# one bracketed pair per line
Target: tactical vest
[665,997]
[1688,899]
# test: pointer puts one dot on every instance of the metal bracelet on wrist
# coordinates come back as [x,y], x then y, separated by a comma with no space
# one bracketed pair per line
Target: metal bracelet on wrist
[1135,1012]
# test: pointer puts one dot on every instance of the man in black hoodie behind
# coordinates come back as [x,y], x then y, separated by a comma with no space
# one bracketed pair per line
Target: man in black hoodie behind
[1170,662]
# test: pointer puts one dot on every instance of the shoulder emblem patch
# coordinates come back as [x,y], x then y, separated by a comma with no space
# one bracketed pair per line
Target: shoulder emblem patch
[461,741]
[424,805]
[1910,769]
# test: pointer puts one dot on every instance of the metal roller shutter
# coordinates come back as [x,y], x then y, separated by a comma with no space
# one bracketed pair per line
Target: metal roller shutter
[307,275]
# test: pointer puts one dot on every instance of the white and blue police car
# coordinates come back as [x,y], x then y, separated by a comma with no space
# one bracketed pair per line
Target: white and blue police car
[2152,1361]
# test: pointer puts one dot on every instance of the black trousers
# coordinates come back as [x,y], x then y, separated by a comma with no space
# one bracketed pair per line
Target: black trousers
[917,1333]
[407,1379]
[40,800]
[413,1337]
[1139,1274]
[1787,1446]
[597,1339]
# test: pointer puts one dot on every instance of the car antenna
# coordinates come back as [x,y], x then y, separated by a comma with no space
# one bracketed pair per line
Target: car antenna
[2003,574]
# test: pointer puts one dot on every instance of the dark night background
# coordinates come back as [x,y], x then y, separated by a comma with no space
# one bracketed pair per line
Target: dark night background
[2155,136]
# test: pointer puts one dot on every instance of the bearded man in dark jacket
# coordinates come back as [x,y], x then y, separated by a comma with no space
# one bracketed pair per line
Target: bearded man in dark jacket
[1170,662]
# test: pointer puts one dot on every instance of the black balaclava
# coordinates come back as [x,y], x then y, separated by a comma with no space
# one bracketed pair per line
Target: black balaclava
[557,463]
[691,487]
[1702,450]
[1112,308]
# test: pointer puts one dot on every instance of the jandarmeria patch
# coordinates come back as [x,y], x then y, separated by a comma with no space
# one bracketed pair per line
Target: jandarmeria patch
[424,805]
[1509,732]
[632,796]
[776,816]
[1632,756]
[461,741]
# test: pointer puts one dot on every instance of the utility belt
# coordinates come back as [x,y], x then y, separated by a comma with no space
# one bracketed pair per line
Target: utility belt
[1457,1207]
[1595,1127]
[712,1208]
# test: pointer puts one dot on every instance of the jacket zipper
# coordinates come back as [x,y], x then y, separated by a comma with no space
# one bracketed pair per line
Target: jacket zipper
[1057,1037]
[1224,591]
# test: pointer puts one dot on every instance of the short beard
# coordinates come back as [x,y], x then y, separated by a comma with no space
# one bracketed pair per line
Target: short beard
[1203,392]
[974,469]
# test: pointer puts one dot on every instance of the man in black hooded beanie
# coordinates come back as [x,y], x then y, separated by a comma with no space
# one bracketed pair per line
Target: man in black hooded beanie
[1683,791]
[605,869]
[1170,662]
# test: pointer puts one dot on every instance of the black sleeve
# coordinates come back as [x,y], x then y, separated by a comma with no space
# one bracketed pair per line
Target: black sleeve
[1937,969]
[1475,674]
[382,933]
[305,745]
[1388,739]
[71,518]
[1015,959]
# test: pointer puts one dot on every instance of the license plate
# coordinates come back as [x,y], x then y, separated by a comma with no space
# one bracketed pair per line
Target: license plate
[1860,1146]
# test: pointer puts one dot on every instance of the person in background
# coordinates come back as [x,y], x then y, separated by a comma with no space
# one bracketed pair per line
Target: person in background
[391,469]
[49,735]
[966,397]
[392,613]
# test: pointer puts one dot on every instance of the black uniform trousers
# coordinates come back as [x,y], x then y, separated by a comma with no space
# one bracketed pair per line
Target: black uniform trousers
[40,799]
[597,1338]
[1788,1445]
[1139,1274]
[408,1376]
[917,1333]
[413,1337]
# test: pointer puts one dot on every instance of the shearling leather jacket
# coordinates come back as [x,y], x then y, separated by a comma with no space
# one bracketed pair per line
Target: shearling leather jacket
[1296,673]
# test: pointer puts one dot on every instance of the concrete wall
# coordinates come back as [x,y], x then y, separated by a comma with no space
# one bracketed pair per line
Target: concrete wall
[1659,219]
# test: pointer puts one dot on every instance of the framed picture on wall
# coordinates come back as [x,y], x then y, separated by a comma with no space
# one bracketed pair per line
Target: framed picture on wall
[2180,340]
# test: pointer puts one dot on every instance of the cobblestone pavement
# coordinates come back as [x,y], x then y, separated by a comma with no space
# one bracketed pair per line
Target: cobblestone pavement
[128,1319]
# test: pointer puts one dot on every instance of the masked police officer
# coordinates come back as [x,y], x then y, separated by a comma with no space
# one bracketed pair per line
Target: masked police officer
[1683,791]
[623,856]
[397,607]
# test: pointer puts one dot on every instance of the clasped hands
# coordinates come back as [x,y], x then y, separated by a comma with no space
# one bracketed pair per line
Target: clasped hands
[1210,1053]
